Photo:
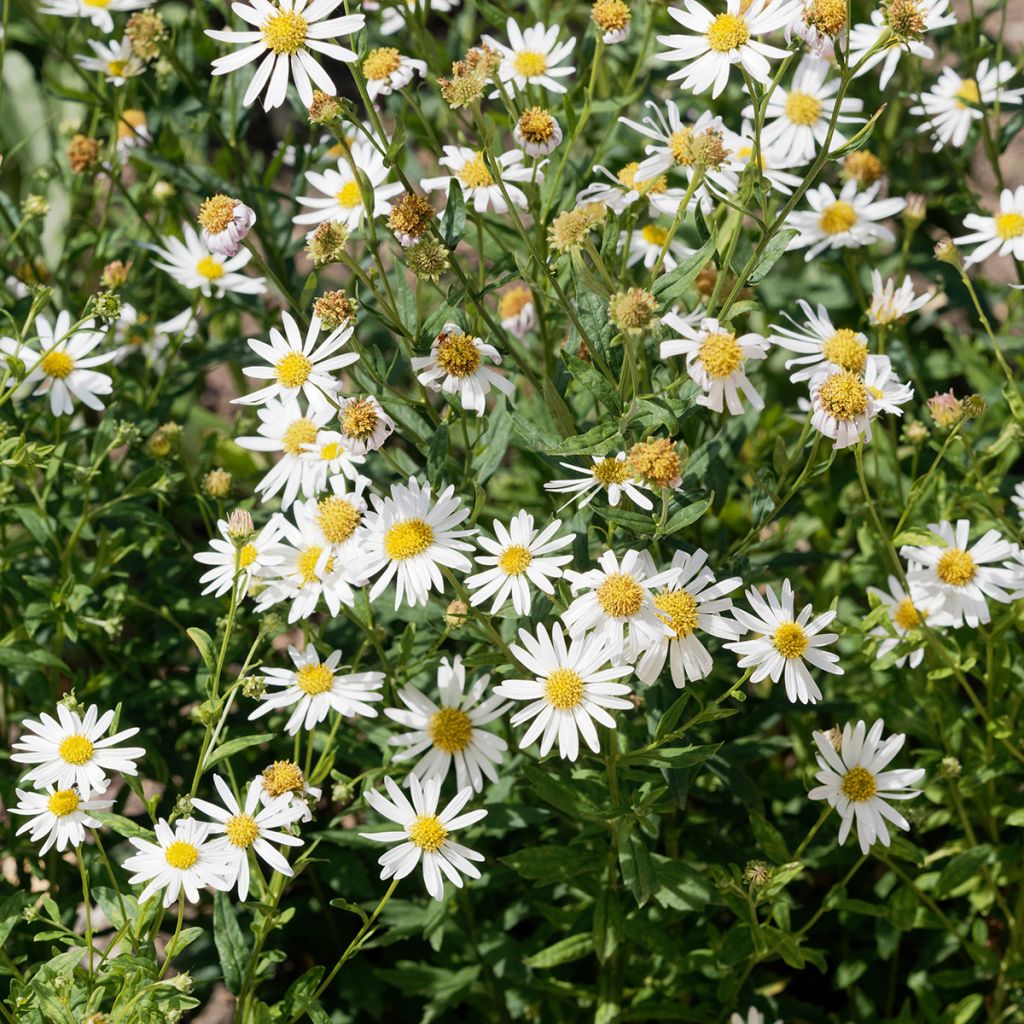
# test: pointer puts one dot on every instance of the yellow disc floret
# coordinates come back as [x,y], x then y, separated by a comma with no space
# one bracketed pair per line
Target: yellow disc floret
[474,173]
[457,354]
[837,217]
[721,355]
[677,608]
[1009,225]
[338,518]
[242,830]
[529,63]
[216,213]
[181,855]
[381,63]
[956,567]
[846,349]
[284,32]
[314,679]
[407,539]
[76,749]
[300,432]
[859,784]
[246,556]
[57,364]
[802,108]
[611,471]
[564,689]
[790,639]
[844,396]
[727,32]
[63,802]
[620,595]
[515,560]
[450,730]
[359,420]
[283,777]
[427,832]
[293,370]
[349,195]
[210,268]
[906,616]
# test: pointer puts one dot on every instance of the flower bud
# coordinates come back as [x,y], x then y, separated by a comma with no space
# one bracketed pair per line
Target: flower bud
[427,259]
[107,306]
[115,274]
[327,243]
[217,483]
[35,206]
[410,218]
[240,525]
[946,408]
[455,614]
[633,311]
[947,252]
[862,167]
[145,31]
[974,406]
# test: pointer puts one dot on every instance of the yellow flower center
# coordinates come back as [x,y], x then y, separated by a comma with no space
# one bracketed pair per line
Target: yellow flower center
[314,679]
[331,451]
[610,471]
[1009,225]
[845,349]
[57,364]
[678,609]
[216,213]
[956,567]
[611,15]
[627,177]
[536,125]
[284,32]
[428,833]
[837,218]
[299,432]
[790,639]
[359,420]
[181,855]
[620,595]
[655,235]
[514,301]
[802,108]
[529,63]
[906,616]
[283,777]
[350,195]
[858,784]
[450,730]
[407,539]
[457,355]
[247,556]
[563,689]
[75,749]
[96,3]
[62,802]
[338,518]
[242,830]
[844,396]
[515,559]
[721,355]
[130,124]
[115,68]
[293,370]
[474,173]
[210,268]
[305,565]
[727,32]
[968,91]
[381,63]
[680,145]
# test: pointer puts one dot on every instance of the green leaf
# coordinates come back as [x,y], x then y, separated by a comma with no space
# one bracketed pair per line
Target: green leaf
[593,382]
[960,870]
[773,251]
[919,538]
[10,912]
[608,923]
[352,908]
[565,951]
[596,441]
[685,516]
[123,826]
[232,948]
[553,863]
[232,747]
[453,223]
[561,795]
[635,862]
[769,838]
[669,287]
[671,757]
[204,644]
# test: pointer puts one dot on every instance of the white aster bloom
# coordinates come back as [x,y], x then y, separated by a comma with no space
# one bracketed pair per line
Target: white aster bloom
[478,185]
[97,12]
[891,304]
[517,311]
[1018,499]
[847,221]
[333,520]
[694,603]
[906,614]
[754,1016]
[72,750]
[715,359]
[786,643]
[1000,235]
[714,43]
[854,781]
[622,190]
[385,70]
[618,606]
[246,827]
[537,133]
[284,36]
[393,17]
[365,426]
[115,61]
[285,778]
[62,366]
[819,344]
[313,689]
[962,574]
[647,243]
[609,473]
[451,732]
[409,537]
[518,556]
[455,366]
[295,364]
[342,198]
[426,834]
[181,862]
[229,562]
[533,57]
[329,457]
[953,103]
[572,688]
[224,223]
[57,816]
[775,160]
[194,265]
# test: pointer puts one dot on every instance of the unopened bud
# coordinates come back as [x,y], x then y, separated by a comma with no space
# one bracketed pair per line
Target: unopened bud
[946,408]
[633,311]
[115,274]
[427,259]
[455,614]
[974,406]
[240,525]
[217,483]
[947,252]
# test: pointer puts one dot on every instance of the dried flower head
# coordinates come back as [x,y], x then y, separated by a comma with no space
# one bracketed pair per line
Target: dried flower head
[946,408]
[826,16]
[145,31]
[569,230]
[115,274]
[633,311]
[327,243]
[324,108]
[537,132]
[410,218]
[656,462]
[905,18]
[217,483]
[83,152]
[862,167]
[335,309]
[469,77]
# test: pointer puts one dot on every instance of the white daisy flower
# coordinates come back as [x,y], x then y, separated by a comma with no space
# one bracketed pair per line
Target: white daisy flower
[754,1016]
[618,605]
[537,133]
[385,70]
[1001,235]
[285,428]
[775,161]
[71,751]
[854,781]
[365,426]
[58,816]
[97,12]
[193,265]
[953,103]
[180,862]
[342,198]
[889,304]
[715,360]
[328,457]
[224,222]
[478,185]
[115,61]
[847,221]
[450,733]
[296,365]
[393,17]
[426,834]
[609,473]
[245,828]
[230,562]
[517,311]
[62,365]
[282,37]
[798,119]
[408,538]
[572,688]
[695,602]
[647,243]
[920,16]
[533,57]
[520,555]
[333,520]
[962,574]
[455,367]
[819,344]
[785,643]
[314,689]
[622,190]
[907,614]
[285,778]
[719,41]
[1018,499]
[132,132]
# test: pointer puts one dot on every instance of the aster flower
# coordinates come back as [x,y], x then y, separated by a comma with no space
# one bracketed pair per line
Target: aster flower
[193,265]
[906,615]
[59,817]
[517,311]
[609,473]
[329,458]
[393,17]
[774,161]
[230,562]
[622,190]
[646,245]
[98,14]
[533,57]
[1000,235]
[333,520]
[890,304]
[847,221]
[285,778]
[225,222]
[386,70]
[365,426]
[478,185]
[537,132]
[819,344]
[115,61]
